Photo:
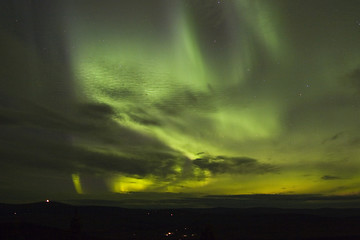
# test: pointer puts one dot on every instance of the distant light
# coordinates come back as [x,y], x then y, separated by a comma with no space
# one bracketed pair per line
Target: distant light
[14,213]
[47,200]
[169,234]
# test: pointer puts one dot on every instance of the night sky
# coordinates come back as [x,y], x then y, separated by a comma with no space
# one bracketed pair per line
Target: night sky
[180,102]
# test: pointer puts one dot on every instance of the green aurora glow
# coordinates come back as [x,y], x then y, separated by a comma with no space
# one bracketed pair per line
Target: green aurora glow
[173,91]
[209,97]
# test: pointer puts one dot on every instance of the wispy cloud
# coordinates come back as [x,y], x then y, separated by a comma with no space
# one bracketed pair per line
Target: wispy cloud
[233,165]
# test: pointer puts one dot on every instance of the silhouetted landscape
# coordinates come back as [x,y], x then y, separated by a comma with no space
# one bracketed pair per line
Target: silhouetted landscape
[52,220]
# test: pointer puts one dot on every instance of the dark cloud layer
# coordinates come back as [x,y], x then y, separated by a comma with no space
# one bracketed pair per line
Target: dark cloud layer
[41,137]
[329,177]
[233,165]
[96,110]
[154,163]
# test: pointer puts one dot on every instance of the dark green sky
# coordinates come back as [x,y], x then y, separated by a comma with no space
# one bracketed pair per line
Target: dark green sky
[114,100]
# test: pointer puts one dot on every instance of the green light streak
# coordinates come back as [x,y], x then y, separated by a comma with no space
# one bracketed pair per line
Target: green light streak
[263,21]
[189,65]
[77,183]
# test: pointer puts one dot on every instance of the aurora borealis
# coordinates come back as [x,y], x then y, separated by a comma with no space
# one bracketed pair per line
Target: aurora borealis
[163,99]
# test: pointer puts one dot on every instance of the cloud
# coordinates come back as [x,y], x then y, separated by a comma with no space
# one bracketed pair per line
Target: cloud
[185,99]
[87,139]
[97,110]
[329,177]
[141,116]
[335,137]
[354,79]
[155,163]
[45,159]
[233,165]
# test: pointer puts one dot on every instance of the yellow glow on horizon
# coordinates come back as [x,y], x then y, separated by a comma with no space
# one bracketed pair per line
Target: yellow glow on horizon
[123,184]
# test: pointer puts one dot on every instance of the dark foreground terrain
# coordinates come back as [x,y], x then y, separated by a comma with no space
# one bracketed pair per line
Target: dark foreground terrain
[59,221]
